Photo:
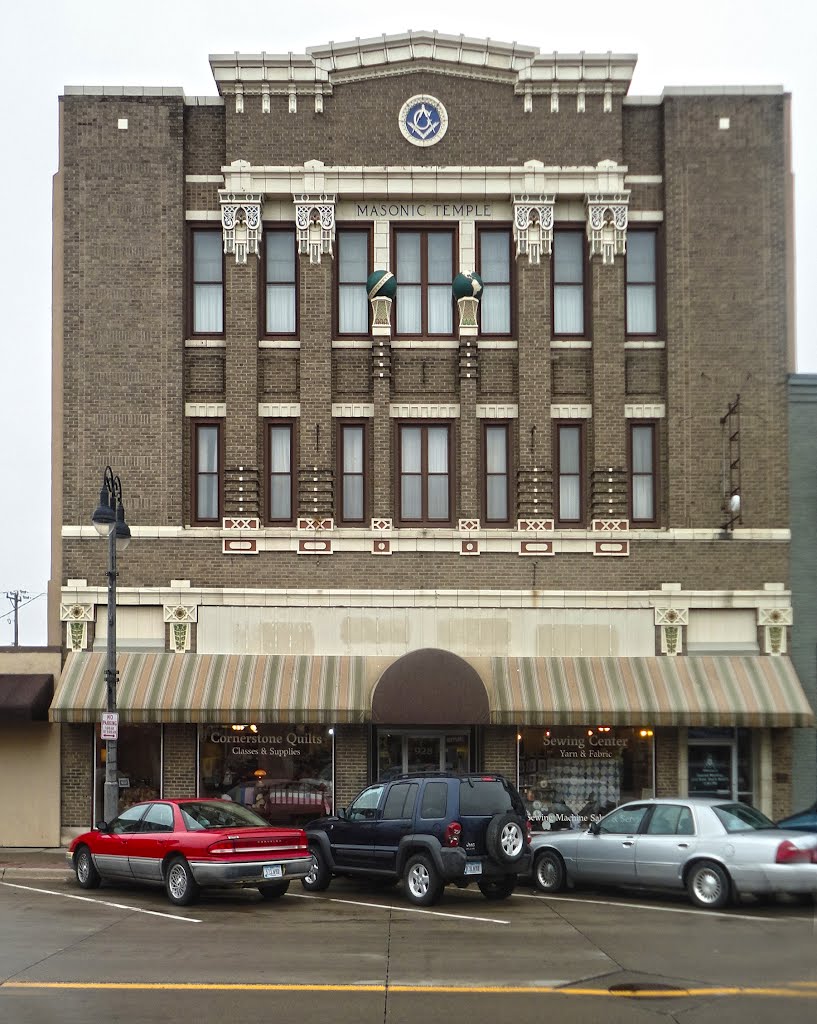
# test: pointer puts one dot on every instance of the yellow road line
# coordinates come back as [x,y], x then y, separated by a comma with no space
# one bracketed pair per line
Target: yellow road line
[801,992]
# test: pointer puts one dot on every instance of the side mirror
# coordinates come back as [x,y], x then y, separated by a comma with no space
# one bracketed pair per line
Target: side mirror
[341,812]
[595,828]
[101,826]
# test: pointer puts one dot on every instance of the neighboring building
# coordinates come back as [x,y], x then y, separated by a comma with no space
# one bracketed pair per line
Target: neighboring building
[546,532]
[803,477]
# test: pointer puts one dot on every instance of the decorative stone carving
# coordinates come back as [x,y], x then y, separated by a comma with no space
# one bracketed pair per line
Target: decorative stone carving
[315,224]
[607,224]
[774,622]
[179,617]
[76,616]
[533,225]
[672,622]
[241,223]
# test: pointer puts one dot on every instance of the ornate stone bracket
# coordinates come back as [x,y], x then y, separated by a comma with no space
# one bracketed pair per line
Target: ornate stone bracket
[179,617]
[76,618]
[315,223]
[607,224]
[774,622]
[672,622]
[241,223]
[533,225]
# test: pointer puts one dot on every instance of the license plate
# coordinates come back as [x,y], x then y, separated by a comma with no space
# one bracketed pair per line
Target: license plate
[273,871]
[473,867]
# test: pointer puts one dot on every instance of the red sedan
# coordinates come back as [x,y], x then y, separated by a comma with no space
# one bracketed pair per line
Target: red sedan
[186,845]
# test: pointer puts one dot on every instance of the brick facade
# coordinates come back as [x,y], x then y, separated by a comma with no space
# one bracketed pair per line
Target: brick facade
[716,199]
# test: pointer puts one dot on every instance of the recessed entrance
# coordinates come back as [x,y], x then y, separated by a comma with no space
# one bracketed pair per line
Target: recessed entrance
[422,750]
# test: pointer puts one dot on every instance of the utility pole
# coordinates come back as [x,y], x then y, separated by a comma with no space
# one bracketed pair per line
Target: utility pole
[16,596]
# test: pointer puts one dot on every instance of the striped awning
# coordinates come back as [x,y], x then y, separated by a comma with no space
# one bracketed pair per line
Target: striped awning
[162,687]
[724,690]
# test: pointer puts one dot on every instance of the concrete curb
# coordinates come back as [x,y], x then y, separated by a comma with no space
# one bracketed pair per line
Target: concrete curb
[9,874]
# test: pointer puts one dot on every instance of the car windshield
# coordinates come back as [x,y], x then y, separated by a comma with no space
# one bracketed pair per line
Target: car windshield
[741,818]
[219,814]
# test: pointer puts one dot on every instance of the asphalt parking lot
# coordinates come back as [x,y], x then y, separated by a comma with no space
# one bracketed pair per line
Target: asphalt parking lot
[357,953]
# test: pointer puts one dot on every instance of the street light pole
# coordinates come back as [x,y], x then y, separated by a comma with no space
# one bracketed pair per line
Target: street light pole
[109,519]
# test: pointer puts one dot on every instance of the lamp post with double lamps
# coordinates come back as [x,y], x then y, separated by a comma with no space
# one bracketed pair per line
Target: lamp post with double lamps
[109,520]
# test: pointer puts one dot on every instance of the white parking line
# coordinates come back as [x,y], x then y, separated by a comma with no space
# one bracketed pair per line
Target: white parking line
[406,910]
[650,906]
[104,903]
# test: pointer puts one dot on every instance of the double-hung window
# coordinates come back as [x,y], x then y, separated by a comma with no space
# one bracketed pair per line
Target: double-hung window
[280,265]
[207,315]
[568,283]
[642,282]
[280,476]
[496,502]
[425,270]
[643,472]
[425,491]
[207,472]
[570,493]
[495,271]
[353,269]
[352,457]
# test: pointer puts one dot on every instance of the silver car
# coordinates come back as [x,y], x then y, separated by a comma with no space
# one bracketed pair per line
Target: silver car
[714,849]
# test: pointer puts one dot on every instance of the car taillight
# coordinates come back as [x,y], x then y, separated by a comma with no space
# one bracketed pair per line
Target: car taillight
[788,853]
[453,833]
[222,846]
[528,831]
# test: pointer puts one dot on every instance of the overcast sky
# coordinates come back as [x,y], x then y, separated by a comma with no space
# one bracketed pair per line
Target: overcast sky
[166,42]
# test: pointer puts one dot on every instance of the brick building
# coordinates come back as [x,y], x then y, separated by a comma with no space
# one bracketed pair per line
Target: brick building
[541,527]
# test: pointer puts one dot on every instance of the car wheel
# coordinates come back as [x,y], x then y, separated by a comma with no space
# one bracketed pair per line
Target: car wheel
[319,875]
[273,890]
[708,885]
[182,889]
[549,872]
[497,888]
[87,875]
[505,838]
[423,885]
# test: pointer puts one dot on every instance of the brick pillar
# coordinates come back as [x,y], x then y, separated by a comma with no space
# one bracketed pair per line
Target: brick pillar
[242,481]
[468,427]
[351,762]
[781,773]
[534,473]
[667,762]
[77,768]
[179,761]
[608,448]
[316,491]
[383,492]
[499,751]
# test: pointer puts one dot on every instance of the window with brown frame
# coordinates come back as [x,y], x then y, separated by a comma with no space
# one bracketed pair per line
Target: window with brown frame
[643,472]
[280,278]
[353,254]
[496,483]
[569,293]
[424,472]
[642,282]
[569,474]
[280,442]
[207,282]
[352,455]
[494,247]
[207,462]
[425,269]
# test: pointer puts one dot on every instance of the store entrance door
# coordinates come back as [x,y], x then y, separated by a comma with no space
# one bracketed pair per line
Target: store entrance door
[421,750]
[713,769]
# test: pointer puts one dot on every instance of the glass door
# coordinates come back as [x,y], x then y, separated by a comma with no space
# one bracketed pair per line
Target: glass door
[421,750]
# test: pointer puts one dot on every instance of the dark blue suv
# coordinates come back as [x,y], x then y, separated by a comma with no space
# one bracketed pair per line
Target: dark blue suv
[426,830]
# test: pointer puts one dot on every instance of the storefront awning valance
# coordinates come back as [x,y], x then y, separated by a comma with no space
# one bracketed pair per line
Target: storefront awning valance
[723,690]
[24,697]
[162,687]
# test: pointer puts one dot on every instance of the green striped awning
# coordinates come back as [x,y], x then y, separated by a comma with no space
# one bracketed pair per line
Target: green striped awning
[751,691]
[162,687]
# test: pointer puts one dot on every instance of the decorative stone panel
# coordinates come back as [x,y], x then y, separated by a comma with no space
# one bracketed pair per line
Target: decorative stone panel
[179,618]
[533,225]
[607,224]
[672,622]
[315,224]
[241,223]
[76,617]
[775,623]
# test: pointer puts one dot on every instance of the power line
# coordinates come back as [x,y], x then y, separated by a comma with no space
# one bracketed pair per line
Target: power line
[19,599]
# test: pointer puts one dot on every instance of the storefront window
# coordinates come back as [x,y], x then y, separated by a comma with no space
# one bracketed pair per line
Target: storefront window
[720,763]
[139,766]
[283,772]
[401,751]
[571,776]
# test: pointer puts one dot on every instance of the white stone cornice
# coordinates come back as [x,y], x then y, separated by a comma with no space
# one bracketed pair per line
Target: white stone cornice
[645,410]
[533,178]
[279,410]
[353,410]
[571,411]
[497,411]
[206,410]
[424,410]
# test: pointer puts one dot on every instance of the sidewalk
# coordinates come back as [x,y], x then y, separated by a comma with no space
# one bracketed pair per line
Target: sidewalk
[33,862]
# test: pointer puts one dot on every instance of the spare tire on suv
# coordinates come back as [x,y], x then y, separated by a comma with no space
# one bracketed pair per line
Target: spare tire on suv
[505,838]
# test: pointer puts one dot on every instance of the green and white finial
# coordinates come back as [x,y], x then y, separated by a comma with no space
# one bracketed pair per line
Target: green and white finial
[381,284]
[467,286]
